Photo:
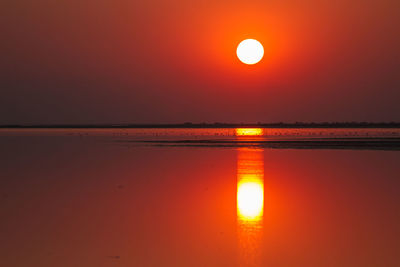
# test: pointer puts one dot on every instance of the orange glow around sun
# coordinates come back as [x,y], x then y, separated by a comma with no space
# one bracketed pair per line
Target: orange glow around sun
[249,131]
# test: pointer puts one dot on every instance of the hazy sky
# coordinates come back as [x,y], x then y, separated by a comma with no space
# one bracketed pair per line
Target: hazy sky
[158,61]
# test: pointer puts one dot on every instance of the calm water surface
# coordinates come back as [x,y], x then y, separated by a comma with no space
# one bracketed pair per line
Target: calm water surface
[198,197]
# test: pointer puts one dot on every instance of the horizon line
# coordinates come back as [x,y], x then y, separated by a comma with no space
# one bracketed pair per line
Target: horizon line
[213,125]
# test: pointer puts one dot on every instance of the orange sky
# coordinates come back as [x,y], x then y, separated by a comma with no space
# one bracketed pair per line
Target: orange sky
[174,61]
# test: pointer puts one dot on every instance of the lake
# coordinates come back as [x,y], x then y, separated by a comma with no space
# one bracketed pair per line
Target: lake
[200,197]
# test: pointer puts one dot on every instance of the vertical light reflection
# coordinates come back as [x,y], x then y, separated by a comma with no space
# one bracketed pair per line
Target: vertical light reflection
[250,205]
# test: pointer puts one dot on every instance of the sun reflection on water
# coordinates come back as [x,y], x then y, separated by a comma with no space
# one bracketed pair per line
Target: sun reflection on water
[250,197]
[249,131]
[250,205]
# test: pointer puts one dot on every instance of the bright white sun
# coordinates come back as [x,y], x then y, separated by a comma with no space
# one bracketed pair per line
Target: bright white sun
[250,51]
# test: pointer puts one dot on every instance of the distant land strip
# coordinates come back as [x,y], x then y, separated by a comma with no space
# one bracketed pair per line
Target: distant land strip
[217,125]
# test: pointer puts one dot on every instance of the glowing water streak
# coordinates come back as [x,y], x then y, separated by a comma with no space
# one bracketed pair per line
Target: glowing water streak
[249,131]
[250,205]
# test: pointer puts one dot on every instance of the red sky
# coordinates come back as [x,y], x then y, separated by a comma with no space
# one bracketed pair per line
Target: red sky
[160,61]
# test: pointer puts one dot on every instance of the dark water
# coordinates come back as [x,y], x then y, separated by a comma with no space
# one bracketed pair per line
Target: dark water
[200,197]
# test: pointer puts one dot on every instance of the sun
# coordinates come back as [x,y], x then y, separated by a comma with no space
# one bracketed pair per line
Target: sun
[250,51]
